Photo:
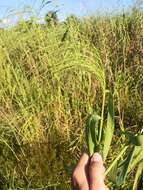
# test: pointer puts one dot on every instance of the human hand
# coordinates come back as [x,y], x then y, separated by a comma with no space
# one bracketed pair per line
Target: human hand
[89,173]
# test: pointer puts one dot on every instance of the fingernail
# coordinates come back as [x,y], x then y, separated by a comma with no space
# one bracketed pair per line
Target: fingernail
[96,157]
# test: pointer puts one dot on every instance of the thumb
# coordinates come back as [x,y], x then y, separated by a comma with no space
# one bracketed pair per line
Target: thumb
[96,173]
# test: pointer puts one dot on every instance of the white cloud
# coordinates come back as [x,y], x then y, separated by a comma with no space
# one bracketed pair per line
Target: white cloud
[41,20]
[5,21]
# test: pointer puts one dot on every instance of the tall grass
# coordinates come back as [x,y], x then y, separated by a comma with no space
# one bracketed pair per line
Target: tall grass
[51,79]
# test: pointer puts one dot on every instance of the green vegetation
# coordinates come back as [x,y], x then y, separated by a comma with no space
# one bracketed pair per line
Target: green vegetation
[52,77]
[99,140]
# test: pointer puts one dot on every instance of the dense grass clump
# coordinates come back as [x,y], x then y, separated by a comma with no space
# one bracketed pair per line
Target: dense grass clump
[51,79]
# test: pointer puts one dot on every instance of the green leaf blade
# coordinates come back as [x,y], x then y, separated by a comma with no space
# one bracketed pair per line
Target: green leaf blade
[92,133]
[109,130]
[124,168]
[138,175]
[138,158]
[136,140]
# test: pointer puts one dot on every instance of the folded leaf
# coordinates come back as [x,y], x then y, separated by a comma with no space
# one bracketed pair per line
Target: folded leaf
[92,133]
[109,130]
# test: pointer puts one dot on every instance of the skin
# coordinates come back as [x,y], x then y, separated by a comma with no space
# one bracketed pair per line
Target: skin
[89,173]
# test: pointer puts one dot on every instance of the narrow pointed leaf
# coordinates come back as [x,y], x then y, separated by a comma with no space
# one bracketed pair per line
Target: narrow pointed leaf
[138,175]
[109,130]
[115,162]
[137,159]
[92,133]
[113,173]
[123,170]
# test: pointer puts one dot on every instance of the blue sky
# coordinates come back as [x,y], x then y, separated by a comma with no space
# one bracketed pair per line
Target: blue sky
[66,7]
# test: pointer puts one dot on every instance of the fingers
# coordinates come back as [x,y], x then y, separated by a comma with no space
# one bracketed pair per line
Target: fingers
[96,173]
[89,174]
[80,173]
[83,161]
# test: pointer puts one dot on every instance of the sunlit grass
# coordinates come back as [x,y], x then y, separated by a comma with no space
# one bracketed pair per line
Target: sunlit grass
[51,79]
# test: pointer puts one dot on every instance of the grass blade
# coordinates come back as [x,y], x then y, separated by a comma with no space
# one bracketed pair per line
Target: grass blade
[138,175]
[137,159]
[113,164]
[113,173]
[92,133]
[124,168]
[109,130]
